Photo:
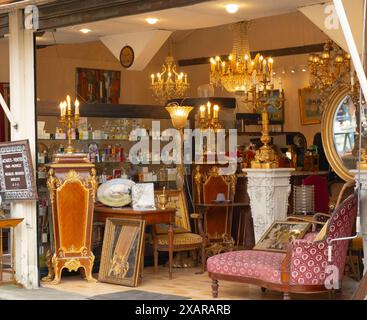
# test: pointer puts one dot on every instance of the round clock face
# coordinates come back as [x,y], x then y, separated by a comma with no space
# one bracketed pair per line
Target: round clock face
[127,56]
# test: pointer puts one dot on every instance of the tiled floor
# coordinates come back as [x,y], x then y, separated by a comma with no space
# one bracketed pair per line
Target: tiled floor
[185,283]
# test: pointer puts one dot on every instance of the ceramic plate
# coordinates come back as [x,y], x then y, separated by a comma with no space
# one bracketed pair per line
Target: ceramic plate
[115,193]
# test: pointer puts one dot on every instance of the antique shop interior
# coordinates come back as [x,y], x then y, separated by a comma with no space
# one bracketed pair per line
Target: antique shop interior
[111,221]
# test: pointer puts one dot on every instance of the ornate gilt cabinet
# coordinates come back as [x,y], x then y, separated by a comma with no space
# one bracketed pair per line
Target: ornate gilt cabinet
[72,187]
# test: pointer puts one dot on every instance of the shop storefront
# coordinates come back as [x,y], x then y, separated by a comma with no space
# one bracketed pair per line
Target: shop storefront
[183,141]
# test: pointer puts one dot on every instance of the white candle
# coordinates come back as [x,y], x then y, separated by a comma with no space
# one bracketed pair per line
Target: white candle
[68,102]
[216,111]
[209,109]
[76,107]
[202,112]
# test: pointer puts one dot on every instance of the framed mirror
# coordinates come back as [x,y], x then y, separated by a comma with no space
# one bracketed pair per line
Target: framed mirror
[340,133]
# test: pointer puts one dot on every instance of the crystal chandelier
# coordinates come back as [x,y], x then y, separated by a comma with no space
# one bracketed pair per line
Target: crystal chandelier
[238,72]
[169,84]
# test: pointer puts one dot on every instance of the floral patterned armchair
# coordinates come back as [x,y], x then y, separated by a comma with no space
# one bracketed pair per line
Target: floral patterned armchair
[304,268]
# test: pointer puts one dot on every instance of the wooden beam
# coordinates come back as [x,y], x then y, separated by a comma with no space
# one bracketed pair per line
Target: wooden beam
[73,12]
[267,53]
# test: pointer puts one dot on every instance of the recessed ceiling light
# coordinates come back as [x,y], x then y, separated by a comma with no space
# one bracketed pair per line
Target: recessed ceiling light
[85,30]
[232,8]
[151,20]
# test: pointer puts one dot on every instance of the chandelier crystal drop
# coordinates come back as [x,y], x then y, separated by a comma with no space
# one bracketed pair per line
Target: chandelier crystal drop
[169,84]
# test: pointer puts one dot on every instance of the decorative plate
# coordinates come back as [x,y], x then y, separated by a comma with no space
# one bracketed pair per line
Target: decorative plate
[115,193]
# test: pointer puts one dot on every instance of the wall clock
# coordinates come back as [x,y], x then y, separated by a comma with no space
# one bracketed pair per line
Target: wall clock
[127,56]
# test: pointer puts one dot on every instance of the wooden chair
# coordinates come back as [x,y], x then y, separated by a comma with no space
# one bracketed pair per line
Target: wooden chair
[303,269]
[217,221]
[184,239]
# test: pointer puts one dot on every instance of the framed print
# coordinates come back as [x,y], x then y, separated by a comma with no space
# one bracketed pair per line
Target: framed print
[176,199]
[98,86]
[276,114]
[280,234]
[309,106]
[122,252]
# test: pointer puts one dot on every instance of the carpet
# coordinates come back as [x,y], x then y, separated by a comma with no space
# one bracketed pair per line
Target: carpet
[137,295]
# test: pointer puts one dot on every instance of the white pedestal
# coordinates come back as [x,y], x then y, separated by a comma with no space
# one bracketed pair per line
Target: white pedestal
[269,191]
[363,212]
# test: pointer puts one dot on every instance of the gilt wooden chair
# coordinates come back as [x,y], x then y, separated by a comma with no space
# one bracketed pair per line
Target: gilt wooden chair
[303,269]
[184,239]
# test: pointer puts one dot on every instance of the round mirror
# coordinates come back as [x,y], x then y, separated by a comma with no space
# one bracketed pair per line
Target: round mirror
[340,133]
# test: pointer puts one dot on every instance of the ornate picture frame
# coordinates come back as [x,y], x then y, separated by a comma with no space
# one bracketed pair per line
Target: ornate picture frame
[176,199]
[121,260]
[309,106]
[280,234]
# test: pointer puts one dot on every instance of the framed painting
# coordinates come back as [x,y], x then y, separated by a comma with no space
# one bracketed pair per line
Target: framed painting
[122,252]
[176,199]
[98,86]
[280,234]
[276,114]
[309,106]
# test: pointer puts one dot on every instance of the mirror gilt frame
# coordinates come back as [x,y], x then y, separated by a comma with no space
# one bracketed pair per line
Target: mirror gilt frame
[327,133]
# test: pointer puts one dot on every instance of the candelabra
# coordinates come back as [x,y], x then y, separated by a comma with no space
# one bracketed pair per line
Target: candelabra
[209,117]
[68,119]
[263,97]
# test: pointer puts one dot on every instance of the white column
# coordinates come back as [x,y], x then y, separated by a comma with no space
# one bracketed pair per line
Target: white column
[269,190]
[363,211]
[22,99]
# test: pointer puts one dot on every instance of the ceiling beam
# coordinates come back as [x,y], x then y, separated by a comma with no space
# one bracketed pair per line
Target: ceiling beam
[73,12]
[267,53]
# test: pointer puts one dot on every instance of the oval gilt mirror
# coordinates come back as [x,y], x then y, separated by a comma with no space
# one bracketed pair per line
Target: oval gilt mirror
[340,133]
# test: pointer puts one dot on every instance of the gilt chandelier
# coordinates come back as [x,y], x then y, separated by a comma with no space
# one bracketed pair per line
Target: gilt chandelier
[331,70]
[239,72]
[168,84]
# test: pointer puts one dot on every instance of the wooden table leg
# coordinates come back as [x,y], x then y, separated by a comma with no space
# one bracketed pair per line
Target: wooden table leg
[142,260]
[170,248]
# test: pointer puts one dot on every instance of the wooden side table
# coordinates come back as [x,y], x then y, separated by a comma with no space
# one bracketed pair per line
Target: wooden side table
[8,224]
[150,217]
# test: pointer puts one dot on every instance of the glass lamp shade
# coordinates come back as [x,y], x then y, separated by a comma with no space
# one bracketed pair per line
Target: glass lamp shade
[179,115]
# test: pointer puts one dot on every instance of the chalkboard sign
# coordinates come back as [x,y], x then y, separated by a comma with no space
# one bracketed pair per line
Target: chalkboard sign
[16,171]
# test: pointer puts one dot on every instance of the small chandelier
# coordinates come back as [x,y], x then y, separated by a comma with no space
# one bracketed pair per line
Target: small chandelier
[332,65]
[169,84]
[331,70]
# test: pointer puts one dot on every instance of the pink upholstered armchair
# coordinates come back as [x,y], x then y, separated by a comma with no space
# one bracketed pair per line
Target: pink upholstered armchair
[304,268]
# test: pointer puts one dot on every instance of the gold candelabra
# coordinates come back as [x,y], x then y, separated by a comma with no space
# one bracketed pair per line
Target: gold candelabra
[68,119]
[209,117]
[264,97]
